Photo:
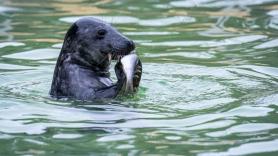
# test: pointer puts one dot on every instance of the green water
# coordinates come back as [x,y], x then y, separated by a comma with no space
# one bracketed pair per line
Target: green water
[209,85]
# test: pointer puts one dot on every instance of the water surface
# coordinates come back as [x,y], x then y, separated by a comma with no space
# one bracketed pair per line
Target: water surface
[209,86]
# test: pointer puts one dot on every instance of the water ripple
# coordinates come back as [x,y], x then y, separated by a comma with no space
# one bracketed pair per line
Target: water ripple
[248,148]
[209,84]
[244,128]
[37,54]
[224,42]
[218,4]
[146,22]
[6,44]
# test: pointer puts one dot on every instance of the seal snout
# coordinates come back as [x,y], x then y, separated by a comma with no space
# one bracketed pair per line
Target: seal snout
[125,48]
[130,45]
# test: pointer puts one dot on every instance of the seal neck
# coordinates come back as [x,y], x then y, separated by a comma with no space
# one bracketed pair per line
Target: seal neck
[103,72]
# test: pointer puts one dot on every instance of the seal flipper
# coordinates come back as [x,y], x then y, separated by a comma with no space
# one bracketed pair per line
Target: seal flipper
[107,92]
[129,68]
[137,74]
[110,91]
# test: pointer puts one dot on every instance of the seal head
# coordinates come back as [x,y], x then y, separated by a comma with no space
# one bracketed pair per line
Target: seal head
[94,43]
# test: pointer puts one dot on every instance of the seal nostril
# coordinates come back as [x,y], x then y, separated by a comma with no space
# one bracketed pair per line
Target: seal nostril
[110,46]
[130,45]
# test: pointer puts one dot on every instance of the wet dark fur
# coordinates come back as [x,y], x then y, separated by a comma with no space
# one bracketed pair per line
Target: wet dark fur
[81,70]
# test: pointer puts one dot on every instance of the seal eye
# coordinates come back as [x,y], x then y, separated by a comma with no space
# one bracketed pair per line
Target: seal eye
[101,33]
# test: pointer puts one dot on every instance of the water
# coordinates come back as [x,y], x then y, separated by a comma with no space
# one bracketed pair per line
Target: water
[209,86]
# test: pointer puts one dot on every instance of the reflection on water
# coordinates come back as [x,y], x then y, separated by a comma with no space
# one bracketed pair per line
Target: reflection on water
[37,54]
[126,19]
[219,3]
[225,42]
[209,85]
[6,44]
[269,44]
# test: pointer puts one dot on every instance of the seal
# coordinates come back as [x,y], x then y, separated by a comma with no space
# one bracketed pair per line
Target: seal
[82,68]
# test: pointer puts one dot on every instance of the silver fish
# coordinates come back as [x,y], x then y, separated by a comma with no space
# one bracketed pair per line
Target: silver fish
[129,65]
